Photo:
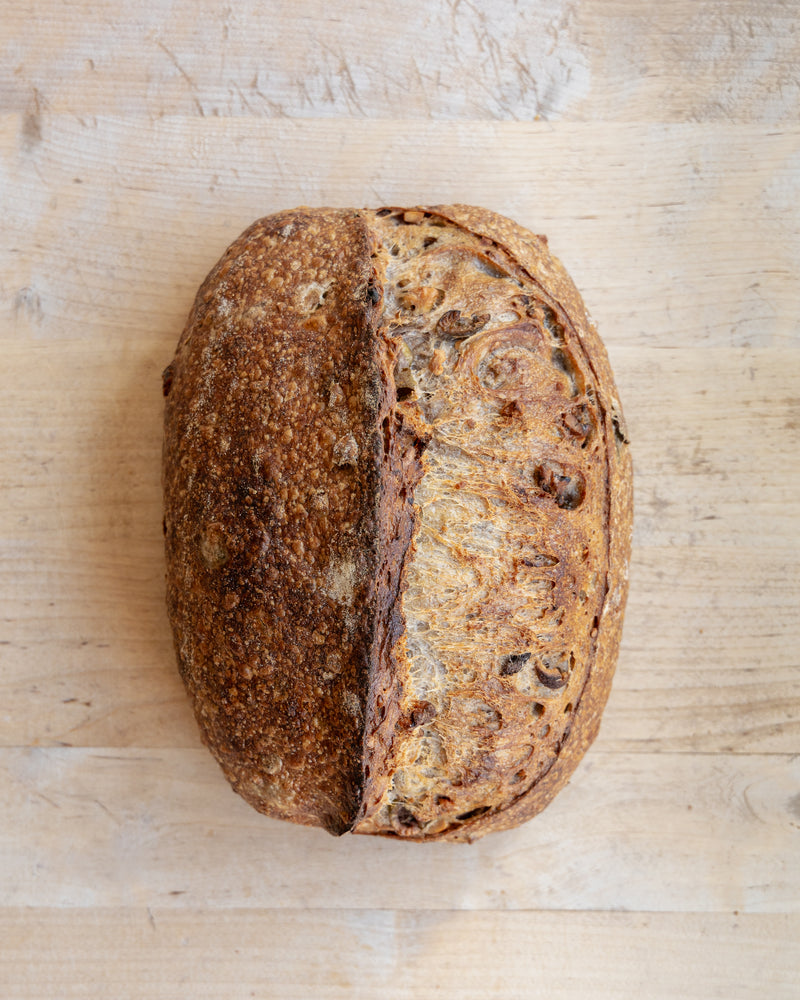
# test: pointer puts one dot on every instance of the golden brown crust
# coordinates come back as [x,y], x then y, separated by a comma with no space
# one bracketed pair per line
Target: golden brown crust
[426,382]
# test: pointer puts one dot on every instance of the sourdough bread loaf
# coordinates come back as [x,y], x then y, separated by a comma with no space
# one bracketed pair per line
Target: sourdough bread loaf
[398,517]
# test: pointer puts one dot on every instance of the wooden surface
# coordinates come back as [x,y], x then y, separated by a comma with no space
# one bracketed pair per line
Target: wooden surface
[658,146]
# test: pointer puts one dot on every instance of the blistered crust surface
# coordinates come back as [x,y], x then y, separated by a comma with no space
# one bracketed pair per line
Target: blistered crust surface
[271,462]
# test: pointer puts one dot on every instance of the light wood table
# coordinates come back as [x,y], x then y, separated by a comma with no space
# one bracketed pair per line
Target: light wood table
[658,146]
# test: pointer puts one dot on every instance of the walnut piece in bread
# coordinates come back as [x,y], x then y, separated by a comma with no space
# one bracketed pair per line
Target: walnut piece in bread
[398,510]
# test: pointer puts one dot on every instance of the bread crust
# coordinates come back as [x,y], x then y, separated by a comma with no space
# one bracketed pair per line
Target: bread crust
[364,408]
[271,466]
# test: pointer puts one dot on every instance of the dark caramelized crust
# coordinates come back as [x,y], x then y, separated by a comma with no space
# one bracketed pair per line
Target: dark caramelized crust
[271,477]
[398,520]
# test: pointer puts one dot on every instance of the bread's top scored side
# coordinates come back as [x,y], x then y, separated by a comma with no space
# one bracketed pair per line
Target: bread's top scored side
[548,271]
[514,583]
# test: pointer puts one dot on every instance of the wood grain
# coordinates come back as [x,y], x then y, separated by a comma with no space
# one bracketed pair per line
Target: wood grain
[138,953]
[645,832]
[492,59]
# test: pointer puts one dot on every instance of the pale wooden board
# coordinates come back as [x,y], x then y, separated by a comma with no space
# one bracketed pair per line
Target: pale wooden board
[158,954]
[466,59]
[647,832]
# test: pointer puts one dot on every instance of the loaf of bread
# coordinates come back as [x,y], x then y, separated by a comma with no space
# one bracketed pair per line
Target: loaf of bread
[398,517]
